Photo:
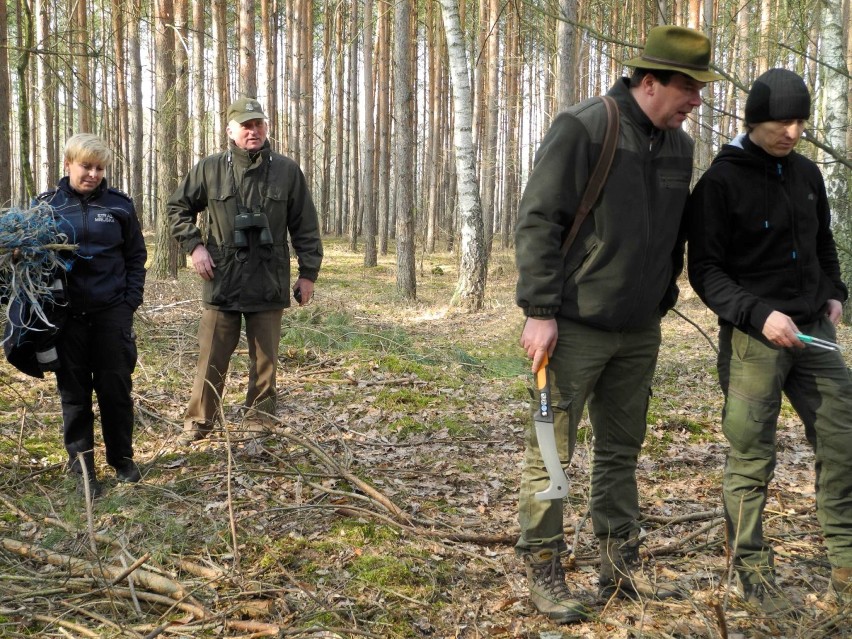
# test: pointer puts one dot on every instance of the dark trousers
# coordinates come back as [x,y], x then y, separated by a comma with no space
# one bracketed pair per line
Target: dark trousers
[97,353]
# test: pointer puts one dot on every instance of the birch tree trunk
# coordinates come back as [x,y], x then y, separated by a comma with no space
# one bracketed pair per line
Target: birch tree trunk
[403,108]
[470,290]
[834,123]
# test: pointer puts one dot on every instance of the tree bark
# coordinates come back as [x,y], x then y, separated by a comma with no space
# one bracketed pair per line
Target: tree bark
[368,190]
[200,119]
[21,68]
[406,283]
[470,290]
[48,170]
[165,251]
[248,50]
[136,121]
[223,89]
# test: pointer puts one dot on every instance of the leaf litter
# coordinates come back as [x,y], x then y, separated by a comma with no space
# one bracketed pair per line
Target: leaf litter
[382,502]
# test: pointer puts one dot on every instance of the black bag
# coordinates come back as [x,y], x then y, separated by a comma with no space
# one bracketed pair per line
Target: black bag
[28,342]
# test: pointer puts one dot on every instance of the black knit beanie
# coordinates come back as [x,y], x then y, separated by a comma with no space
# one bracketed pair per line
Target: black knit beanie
[778,94]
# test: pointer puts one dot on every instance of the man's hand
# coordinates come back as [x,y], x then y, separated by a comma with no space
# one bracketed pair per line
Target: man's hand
[202,263]
[781,331]
[539,337]
[306,286]
[834,310]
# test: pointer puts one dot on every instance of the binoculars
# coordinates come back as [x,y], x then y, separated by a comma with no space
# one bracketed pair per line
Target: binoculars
[248,220]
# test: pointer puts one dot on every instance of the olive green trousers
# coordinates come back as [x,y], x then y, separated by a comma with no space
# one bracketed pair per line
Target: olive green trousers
[612,373]
[753,375]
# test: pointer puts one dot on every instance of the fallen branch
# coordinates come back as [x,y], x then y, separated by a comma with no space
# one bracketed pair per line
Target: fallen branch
[81,567]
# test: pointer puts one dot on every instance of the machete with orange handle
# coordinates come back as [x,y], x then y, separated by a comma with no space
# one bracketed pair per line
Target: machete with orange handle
[544,432]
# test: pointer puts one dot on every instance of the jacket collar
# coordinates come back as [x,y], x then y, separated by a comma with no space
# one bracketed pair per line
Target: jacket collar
[621,92]
[65,185]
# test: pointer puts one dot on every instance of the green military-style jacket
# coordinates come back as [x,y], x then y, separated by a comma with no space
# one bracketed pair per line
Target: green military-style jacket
[255,277]
[620,273]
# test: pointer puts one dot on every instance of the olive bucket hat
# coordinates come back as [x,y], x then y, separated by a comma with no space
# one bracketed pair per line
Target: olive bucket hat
[671,48]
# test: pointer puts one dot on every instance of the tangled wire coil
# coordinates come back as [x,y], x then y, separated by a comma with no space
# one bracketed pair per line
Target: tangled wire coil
[30,242]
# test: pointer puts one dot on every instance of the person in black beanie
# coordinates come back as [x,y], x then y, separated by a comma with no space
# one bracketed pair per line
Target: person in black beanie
[762,256]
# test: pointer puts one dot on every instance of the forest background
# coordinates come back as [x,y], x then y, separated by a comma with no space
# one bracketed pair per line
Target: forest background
[415,122]
[383,504]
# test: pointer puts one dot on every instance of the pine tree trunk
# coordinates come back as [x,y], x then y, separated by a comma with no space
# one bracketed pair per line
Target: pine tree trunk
[368,160]
[248,53]
[406,283]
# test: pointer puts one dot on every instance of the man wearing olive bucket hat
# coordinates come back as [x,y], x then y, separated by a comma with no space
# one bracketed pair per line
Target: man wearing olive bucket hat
[594,309]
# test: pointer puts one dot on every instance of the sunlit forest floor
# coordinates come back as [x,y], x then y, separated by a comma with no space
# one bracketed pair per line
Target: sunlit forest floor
[383,501]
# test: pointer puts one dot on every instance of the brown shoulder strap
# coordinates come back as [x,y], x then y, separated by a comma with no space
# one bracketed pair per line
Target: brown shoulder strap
[599,173]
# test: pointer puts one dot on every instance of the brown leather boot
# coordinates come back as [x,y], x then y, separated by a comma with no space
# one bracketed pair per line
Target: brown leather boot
[841,584]
[623,572]
[548,591]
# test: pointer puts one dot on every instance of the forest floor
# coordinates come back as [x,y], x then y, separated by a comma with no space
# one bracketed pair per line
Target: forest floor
[383,502]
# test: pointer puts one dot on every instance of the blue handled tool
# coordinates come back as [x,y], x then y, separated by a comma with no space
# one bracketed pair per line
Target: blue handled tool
[819,343]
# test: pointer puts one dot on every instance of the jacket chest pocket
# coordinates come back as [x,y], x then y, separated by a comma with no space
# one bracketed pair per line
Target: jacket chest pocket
[674,180]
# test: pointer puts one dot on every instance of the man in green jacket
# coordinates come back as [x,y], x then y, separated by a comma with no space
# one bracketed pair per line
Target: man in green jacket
[762,257]
[596,311]
[254,198]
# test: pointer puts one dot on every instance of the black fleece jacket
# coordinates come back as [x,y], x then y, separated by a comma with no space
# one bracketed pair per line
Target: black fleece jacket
[759,233]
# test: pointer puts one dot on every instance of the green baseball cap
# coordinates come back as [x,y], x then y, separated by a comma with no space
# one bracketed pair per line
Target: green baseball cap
[245,109]
[671,48]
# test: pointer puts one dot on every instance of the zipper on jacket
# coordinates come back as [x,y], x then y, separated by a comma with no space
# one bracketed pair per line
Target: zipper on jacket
[84,209]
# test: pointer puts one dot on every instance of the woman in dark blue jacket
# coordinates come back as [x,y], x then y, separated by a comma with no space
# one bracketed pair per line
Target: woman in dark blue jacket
[97,345]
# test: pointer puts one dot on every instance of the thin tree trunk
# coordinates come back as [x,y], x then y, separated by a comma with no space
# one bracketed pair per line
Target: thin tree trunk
[352,106]
[383,96]
[406,283]
[83,97]
[165,252]
[269,38]
[183,143]
[223,90]
[200,119]
[5,108]
[328,88]
[47,169]
[248,50]
[492,125]
[136,121]
[22,68]
[342,157]
[368,160]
